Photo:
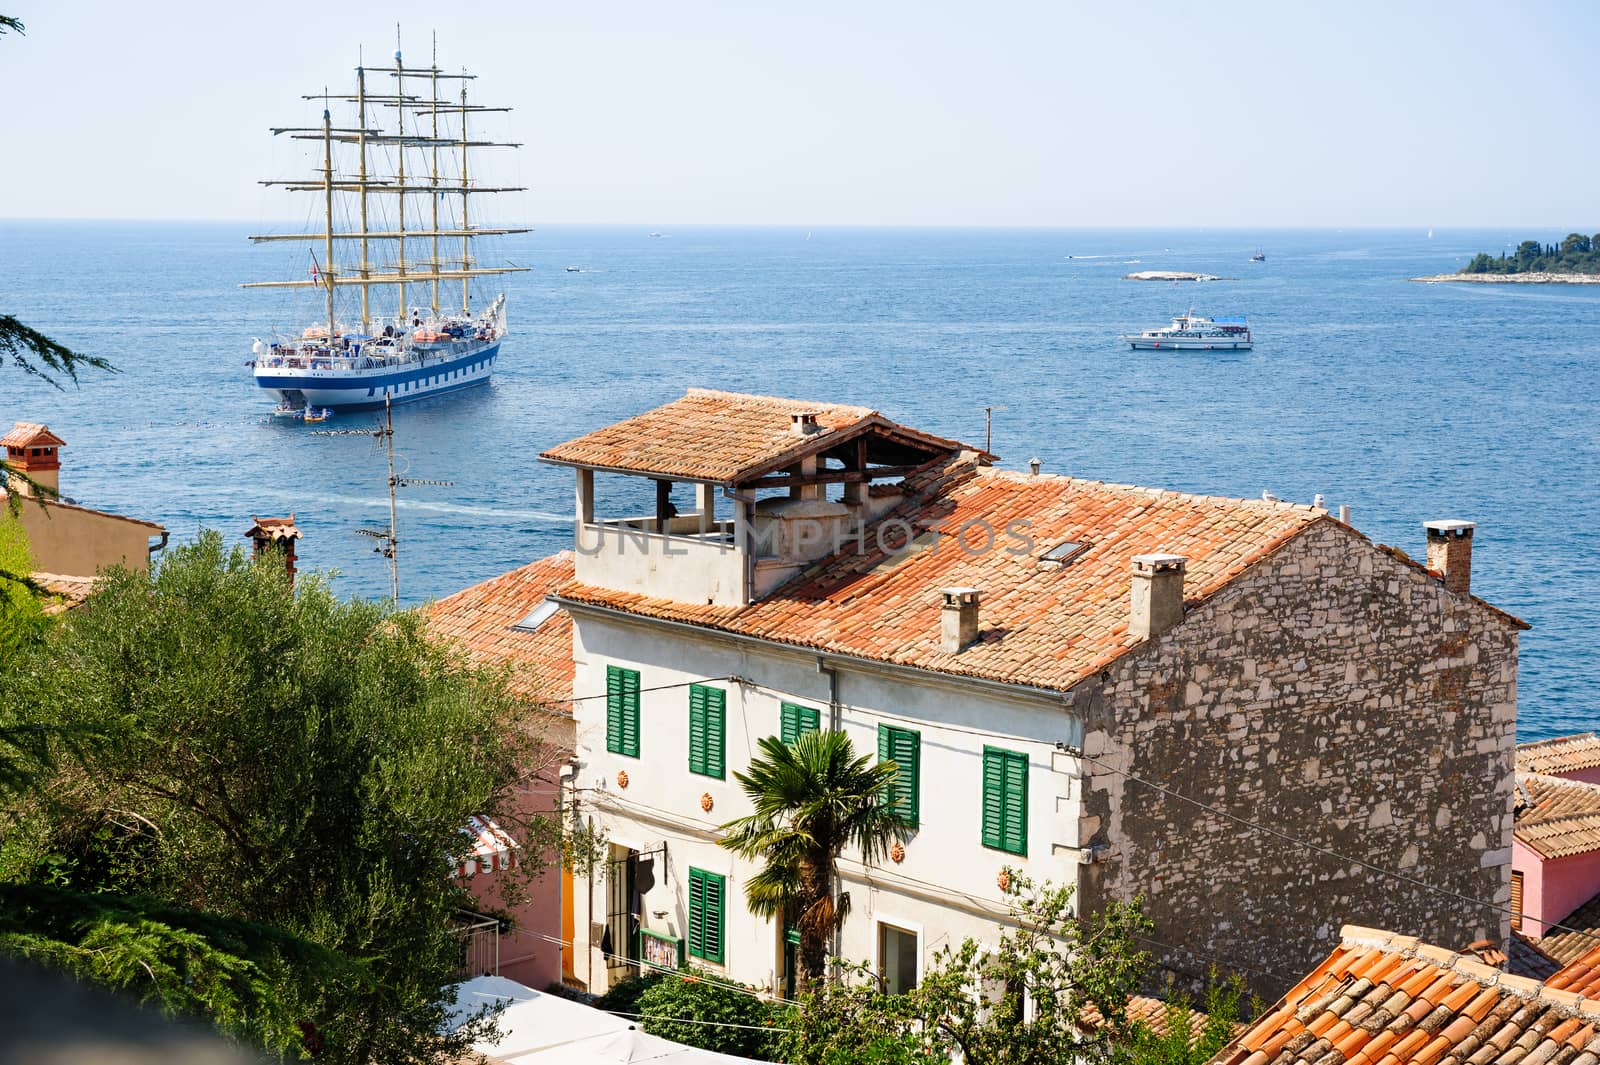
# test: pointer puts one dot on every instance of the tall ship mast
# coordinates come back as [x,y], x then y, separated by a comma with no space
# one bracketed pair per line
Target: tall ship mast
[398,201]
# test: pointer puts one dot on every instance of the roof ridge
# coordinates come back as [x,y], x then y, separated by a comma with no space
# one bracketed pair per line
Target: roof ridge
[1557,781]
[1569,1003]
[1530,745]
[720,393]
[1025,476]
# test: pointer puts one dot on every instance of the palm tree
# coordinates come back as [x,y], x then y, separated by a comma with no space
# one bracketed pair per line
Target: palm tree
[813,798]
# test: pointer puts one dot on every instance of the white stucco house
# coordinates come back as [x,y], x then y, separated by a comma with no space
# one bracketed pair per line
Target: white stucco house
[1017,643]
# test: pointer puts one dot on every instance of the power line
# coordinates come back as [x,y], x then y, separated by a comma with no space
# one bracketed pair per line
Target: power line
[710,1024]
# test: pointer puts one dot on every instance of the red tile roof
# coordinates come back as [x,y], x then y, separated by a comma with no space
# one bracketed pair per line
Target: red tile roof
[723,437]
[31,434]
[1564,754]
[1041,624]
[69,591]
[1568,947]
[1384,999]
[482,620]
[1561,817]
[1581,975]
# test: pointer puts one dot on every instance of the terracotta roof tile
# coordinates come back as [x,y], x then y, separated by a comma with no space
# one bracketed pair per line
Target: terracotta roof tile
[1561,817]
[1439,1007]
[1041,624]
[482,620]
[1582,974]
[721,437]
[1564,754]
[31,434]
[1568,947]
[69,591]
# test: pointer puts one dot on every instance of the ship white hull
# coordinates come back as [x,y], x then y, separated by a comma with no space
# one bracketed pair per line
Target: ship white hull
[1187,344]
[343,384]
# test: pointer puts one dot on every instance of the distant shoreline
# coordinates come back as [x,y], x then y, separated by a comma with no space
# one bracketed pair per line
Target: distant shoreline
[1516,279]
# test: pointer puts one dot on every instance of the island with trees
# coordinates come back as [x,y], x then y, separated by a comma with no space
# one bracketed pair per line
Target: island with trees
[1575,261]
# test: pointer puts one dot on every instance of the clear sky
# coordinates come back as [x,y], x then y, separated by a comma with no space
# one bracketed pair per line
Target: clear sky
[865,112]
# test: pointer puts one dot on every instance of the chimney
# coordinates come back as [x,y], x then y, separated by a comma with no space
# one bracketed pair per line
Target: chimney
[958,619]
[33,451]
[276,534]
[1450,552]
[804,423]
[1033,467]
[1157,595]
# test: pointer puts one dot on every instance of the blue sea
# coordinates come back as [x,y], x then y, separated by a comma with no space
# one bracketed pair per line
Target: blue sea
[1407,402]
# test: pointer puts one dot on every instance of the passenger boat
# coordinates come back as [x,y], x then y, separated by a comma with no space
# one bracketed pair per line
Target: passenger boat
[395,182]
[1194,333]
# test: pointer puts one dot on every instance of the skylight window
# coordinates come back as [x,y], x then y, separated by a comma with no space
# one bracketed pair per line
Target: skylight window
[1063,553]
[541,614]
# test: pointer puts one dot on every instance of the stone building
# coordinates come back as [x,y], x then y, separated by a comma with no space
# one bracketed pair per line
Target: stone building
[1061,668]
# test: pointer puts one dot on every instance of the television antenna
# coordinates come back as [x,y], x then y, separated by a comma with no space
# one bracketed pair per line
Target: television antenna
[988,424]
[388,539]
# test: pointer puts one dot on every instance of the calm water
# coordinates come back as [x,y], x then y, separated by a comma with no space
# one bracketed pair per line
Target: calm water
[1407,402]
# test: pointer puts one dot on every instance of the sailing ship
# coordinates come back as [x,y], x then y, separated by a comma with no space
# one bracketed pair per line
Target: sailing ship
[396,188]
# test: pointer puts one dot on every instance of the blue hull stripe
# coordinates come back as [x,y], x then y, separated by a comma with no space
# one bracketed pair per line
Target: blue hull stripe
[406,397]
[358,386]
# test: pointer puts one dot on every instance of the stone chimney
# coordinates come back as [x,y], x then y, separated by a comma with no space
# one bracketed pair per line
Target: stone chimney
[276,534]
[958,618]
[1450,553]
[1157,595]
[33,451]
[804,423]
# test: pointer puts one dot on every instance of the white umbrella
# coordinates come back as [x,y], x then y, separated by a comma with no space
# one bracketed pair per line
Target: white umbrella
[624,1048]
[532,1020]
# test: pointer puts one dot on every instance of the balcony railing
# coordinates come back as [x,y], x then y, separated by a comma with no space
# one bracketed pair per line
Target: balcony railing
[480,944]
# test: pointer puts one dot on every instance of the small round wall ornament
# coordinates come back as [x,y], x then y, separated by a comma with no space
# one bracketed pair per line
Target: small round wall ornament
[897,853]
[622,778]
[1003,881]
[706,802]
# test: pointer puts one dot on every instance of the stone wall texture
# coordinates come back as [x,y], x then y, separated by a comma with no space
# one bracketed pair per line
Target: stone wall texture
[1340,696]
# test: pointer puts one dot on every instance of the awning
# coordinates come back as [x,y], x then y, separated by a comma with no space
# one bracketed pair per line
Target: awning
[493,849]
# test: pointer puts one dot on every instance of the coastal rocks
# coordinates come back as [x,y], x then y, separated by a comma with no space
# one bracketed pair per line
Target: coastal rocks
[1516,279]
[1173,275]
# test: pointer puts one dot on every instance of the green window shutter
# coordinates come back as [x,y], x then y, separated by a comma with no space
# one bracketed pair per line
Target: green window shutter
[622,711]
[1016,837]
[1005,800]
[706,914]
[903,747]
[697,729]
[795,720]
[708,731]
[697,913]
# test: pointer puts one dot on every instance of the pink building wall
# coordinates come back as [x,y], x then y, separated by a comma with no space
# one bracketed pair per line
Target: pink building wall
[531,954]
[1553,888]
[1588,776]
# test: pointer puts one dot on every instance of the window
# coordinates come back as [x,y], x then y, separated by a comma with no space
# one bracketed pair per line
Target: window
[1005,800]
[1516,899]
[538,616]
[622,711]
[706,732]
[706,894]
[897,959]
[796,719]
[1065,552]
[903,747]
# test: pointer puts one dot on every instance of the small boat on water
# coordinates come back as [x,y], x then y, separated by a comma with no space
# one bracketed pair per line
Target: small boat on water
[1259,257]
[302,414]
[1192,332]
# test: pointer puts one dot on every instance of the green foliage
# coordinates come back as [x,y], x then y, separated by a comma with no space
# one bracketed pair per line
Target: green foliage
[252,982]
[1179,1040]
[1020,1001]
[732,1019]
[1577,254]
[813,798]
[34,353]
[290,759]
[623,996]
[22,617]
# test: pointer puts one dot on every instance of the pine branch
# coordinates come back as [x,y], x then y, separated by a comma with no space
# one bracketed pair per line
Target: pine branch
[28,348]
